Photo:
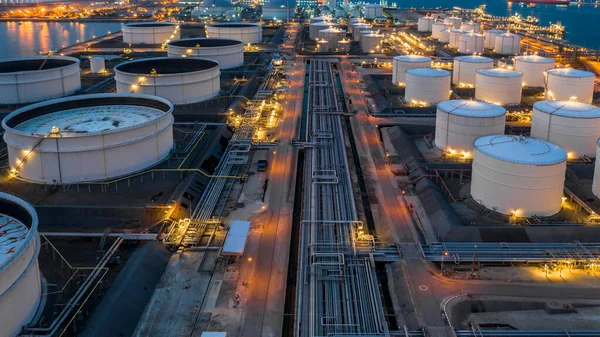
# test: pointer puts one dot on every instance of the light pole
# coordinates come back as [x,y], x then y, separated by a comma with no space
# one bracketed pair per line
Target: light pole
[442,266]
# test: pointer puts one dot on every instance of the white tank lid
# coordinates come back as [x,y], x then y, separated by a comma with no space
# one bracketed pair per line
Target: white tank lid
[473,59]
[411,58]
[498,31]
[520,150]
[362,25]
[534,59]
[499,72]
[472,34]
[570,72]
[428,72]
[568,109]
[332,30]
[458,31]
[13,234]
[440,23]
[446,30]
[507,34]
[372,35]
[469,108]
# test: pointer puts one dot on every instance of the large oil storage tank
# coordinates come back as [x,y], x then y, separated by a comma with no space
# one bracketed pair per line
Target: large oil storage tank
[150,32]
[499,86]
[533,68]
[471,26]
[518,176]
[88,137]
[470,43]
[373,11]
[489,37]
[247,32]
[371,43]
[425,24]
[180,80]
[570,84]
[314,28]
[437,28]
[465,69]
[228,52]
[333,35]
[427,85]
[453,21]
[359,28]
[573,126]
[507,44]
[596,181]
[445,36]
[454,40]
[458,123]
[32,79]
[402,63]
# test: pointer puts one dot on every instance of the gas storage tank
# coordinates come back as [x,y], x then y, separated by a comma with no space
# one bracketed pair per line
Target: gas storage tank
[437,28]
[371,43]
[471,26]
[314,28]
[453,21]
[445,36]
[454,41]
[228,52]
[570,84]
[244,31]
[533,68]
[359,28]
[573,126]
[498,86]
[489,37]
[333,35]
[518,176]
[427,85]
[425,24]
[470,43]
[150,32]
[465,69]
[507,44]
[459,123]
[402,63]
[20,286]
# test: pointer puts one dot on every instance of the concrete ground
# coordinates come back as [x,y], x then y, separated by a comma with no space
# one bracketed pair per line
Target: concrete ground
[535,274]
[585,318]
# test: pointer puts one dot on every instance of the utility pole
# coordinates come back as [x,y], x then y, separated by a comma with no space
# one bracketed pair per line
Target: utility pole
[474,270]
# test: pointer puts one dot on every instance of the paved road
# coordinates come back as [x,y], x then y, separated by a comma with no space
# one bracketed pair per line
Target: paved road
[265,305]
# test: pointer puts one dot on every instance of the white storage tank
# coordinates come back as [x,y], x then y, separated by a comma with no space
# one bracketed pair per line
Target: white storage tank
[150,32]
[470,43]
[465,69]
[322,46]
[453,21]
[507,44]
[499,86]
[359,28]
[454,40]
[371,43]
[402,63]
[20,286]
[437,28]
[180,80]
[373,11]
[97,65]
[314,28]
[573,126]
[333,35]
[88,137]
[471,26]
[533,68]
[247,32]
[228,52]
[32,79]
[425,24]
[570,84]
[353,22]
[427,85]
[596,181]
[344,46]
[458,123]
[518,176]
[489,37]
[445,36]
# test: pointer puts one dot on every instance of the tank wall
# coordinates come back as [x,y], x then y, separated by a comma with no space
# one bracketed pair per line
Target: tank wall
[564,88]
[466,72]
[455,22]
[97,65]
[400,67]
[369,43]
[36,86]
[425,24]
[228,57]
[507,45]
[436,30]
[150,35]
[524,190]
[596,181]
[578,136]
[470,44]
[459,132]
[247,34]
[445,36]
[533,72]
[489,39]
[498,90]
[427,89]
[454,40]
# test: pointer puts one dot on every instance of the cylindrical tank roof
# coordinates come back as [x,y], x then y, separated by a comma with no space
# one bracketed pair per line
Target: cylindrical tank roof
[473,59]
[567,109]
[205,42]
[35,64]
[19,222]
[412,58]
[499,72]
[468,108]
[534,59]
[428,72]
[520,150]
[167,65]
[570,72]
